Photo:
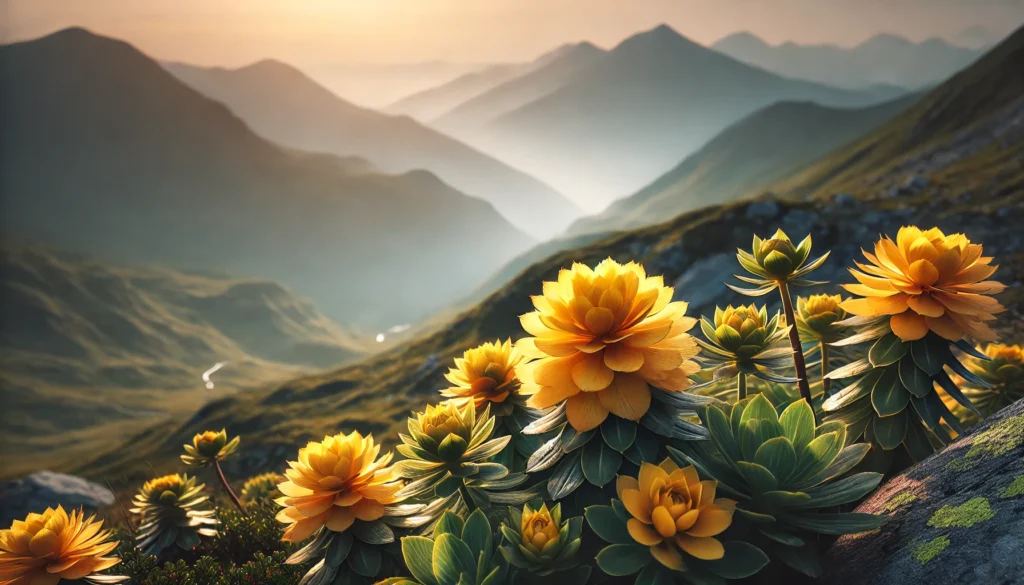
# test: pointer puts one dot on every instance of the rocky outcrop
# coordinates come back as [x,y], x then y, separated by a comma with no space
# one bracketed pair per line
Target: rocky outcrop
[43,489]
[956,517]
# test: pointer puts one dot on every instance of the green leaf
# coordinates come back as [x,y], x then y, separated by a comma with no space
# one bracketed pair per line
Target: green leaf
[477,534]
[452,447]
[606,524]
[929,354]
[778,456]
[798,423]
[759,408]
[819,454]
[600,462]
[644,447]
[844,491]
[837,524]
[655,574]
[447,486]
[618,433]
[781,536]
[450,523]
[418,553]
[338,549]
[721,433]
[890,430]
[567,476]
[758,478]
[784,499]
[452,558]
[887,350]
[847,459]
[365,561]
[619,560]
[804,559]
[375,532]
[741,560]
[888,396]
[914,379]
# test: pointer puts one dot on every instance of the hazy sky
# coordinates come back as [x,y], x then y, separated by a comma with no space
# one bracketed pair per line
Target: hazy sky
[316,32]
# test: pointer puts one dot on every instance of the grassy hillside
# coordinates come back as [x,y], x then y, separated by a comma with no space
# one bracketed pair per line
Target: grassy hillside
[284,105]
[764,147]
[108,153]
[88,349]
[885,60]
[636,112]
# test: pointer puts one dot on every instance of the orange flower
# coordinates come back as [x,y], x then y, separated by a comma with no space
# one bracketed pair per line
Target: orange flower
[333,484]
[485,374]
[603,336]
[927,281]
[674,510]
[55,545]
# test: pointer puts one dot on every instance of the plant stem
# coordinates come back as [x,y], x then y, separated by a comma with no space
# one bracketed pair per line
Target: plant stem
[741,386]
[227,487]
[794,340]
[470,506]
[826,384]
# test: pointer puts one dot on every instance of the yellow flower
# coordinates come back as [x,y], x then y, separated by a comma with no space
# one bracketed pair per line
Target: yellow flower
[45,548]
[538,530]
[673,510]
[443,420]
[604,335]
[485,374]
[927,281]
[208,447]
[1004,373]
[816,317]
[334,483]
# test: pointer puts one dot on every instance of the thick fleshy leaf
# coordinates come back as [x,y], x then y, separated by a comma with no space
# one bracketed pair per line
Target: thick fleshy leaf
[798,423]
[847,459]
[850,370]
[607,524]
[547,455]
[600,462]
[365,561]
[929,354]
[450,523]
[655,574]
[889,431]
[338,549]
[888,396]
[375,532]
[758,478]
[741,560]
[843,491]
[418,553]
[778,456]
[852,393]
[477,534]
[914,379]
[947,384]
[887,350]
[804,559]
[721,433]
[837,524]
[619,560]
[618,432]
[452,558]
[644,447]
[567,476]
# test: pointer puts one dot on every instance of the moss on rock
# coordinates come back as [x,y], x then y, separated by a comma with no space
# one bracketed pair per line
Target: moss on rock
[927,551]
[965,515]
[1016,488]
[898,501]
[999,439]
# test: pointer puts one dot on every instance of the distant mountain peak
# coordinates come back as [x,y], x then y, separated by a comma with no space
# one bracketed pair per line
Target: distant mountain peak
[661,37]
[743,39]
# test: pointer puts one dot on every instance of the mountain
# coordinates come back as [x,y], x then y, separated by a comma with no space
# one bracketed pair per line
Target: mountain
[760,149]
[115,346]
[105,152]
[976,37]
[694,251]
[635,113]
[284,105]
[550,72]
[882,59]
[432,102]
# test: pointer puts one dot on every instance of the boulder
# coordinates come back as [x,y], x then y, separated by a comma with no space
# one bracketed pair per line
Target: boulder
[956,517]
[43,489]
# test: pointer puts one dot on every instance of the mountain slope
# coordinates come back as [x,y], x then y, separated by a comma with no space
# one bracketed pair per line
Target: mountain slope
[882,59]
[282,104]
[694,251]
[760,149]
[115,345]
[635,113]
[552,71]
[435,101]
[107,153]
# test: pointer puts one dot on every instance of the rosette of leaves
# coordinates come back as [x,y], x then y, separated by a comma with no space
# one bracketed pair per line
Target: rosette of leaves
[358,555]
[448,459]
[784,472]
[743,341]
[459,553]
[173,512]
[668,525]
[776,263]
[595,456]
[920,296]
[1003,371]
[542,547]
[889,397]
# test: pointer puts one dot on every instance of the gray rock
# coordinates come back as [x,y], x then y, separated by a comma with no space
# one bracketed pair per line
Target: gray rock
[845,199]
[916,183]
[797,222]
[956,517]
[47,489]
[701,284]
[762,210]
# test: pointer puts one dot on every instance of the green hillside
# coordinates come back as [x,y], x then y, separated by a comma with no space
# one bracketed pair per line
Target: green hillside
[764,147]
[107,153]
[93,350]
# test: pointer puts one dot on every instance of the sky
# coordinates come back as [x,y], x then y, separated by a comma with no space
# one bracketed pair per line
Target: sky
[321,32]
